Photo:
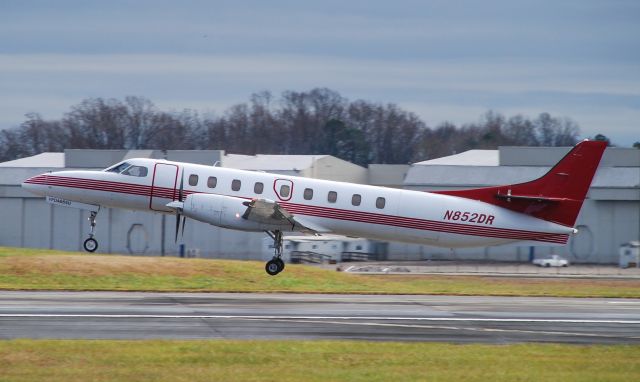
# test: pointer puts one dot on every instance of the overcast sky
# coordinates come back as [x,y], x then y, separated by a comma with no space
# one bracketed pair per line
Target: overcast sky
[444,60]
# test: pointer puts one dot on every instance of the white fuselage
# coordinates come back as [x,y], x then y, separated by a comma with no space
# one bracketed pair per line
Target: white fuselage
[374,212]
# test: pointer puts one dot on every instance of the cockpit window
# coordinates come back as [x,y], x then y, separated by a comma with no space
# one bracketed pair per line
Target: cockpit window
[139,171]
[118,168]
[126,168]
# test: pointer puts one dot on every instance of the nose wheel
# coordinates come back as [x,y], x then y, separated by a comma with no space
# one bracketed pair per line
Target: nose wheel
[91,244]
[275,265]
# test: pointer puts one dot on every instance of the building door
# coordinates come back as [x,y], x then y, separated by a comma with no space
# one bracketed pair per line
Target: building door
[163,187]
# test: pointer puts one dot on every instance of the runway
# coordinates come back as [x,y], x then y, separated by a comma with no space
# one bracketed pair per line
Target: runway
[123,315]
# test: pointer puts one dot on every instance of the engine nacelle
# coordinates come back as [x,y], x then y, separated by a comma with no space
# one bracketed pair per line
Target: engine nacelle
[223,211]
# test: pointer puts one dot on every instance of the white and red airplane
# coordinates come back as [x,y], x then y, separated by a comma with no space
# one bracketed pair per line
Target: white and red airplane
[541,212]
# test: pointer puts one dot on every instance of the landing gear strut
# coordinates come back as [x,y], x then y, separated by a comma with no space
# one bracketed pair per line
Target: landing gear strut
[275,265]
[91,244]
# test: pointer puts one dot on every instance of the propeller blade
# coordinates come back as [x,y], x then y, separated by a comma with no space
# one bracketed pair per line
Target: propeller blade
[178,225]
[178,215]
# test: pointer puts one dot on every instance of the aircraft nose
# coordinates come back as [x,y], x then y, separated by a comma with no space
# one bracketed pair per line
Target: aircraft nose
[36,184]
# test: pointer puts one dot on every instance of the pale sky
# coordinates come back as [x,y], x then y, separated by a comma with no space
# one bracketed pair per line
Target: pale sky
[444,60]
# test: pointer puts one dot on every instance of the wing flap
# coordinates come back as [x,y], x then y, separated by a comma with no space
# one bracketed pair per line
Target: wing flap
[267,211]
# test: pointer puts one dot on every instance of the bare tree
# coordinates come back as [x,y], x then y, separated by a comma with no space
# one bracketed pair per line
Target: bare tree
[317,121]
[97,123]
[140,113]
[556,132]
[520,131]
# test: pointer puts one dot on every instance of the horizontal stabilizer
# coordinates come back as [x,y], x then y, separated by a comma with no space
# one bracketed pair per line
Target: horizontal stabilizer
[508,197]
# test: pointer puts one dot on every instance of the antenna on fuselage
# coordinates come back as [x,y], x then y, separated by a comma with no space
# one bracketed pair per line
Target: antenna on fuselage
[216,163]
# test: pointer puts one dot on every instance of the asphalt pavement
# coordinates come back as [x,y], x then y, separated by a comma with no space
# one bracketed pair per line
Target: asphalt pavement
[126,315]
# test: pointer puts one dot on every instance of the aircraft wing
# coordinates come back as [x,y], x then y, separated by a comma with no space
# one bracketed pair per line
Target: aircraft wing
[270,212]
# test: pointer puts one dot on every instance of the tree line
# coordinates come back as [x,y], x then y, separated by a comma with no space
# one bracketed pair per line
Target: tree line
[319,121]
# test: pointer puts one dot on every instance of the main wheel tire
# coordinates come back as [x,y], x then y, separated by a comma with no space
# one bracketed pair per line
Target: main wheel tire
[90,245]
[273,267]
[547,265]
[280,264]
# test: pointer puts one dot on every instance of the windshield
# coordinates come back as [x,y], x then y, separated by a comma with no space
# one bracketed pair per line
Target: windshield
[139,171]
[118,167]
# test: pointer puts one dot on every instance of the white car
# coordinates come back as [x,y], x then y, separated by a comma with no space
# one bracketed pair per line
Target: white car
[553,261]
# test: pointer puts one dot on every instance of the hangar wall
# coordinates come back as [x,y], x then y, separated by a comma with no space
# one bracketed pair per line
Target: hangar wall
[37,224]
[602,225]
[34,223]
[610,217]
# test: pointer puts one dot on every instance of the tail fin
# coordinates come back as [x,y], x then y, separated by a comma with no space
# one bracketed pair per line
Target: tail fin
[557,196]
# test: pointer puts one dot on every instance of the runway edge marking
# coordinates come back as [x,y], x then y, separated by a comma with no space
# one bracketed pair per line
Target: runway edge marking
[276,317]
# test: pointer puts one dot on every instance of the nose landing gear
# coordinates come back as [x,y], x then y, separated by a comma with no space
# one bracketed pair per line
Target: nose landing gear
[275,265]
[91,244]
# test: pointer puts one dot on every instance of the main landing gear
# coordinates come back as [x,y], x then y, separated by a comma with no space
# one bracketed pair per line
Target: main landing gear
[275,265]
[91,244]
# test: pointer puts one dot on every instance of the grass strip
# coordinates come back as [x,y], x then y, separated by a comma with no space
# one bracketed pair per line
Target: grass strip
[29,269]
[207,360]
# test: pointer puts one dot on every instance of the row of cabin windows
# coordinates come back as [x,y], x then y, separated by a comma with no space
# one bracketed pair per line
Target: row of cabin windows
[332,197]
[285,190]
[236,184]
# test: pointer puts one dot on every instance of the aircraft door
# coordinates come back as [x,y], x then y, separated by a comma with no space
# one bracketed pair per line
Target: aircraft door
[163,186]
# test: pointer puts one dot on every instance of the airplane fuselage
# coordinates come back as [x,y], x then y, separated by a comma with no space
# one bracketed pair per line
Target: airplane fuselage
[379,213]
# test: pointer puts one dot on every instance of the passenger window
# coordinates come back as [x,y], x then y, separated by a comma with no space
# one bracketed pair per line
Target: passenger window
[136,171]
[356,199]
[284,191]
[258,188]
[308,194]
[380,202]
[193,180]
[332,196]
[235,185]
[212,182]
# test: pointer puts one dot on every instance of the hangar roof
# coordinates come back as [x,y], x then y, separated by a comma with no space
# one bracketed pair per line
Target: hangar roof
[480,176]
[467,158]
[618,177]
[390,175]
[244,162]
[270,162]
[94,158]
[53,160]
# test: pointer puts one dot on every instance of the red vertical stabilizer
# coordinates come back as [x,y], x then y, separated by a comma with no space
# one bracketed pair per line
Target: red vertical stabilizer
[557,196]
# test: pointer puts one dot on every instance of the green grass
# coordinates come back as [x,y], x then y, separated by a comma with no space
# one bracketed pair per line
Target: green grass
[89,360]
[34,269]
[11,251]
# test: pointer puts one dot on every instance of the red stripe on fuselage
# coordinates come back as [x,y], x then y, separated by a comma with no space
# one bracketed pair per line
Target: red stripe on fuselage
[316,211]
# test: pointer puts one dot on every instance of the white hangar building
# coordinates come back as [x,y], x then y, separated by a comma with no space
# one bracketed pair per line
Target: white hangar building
[31,222]
[610,217]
